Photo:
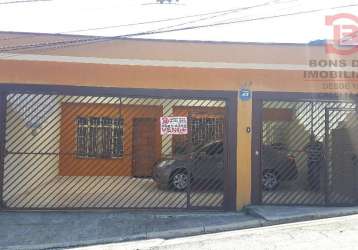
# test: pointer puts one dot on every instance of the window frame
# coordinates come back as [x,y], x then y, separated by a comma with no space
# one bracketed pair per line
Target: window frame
[99,137]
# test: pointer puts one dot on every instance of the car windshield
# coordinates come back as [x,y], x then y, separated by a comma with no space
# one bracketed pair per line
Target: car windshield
[212,149]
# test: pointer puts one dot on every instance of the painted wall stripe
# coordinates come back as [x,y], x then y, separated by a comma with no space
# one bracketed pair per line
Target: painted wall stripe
[167,63]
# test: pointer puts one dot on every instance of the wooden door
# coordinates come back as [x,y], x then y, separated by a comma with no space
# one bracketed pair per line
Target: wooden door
[144,150]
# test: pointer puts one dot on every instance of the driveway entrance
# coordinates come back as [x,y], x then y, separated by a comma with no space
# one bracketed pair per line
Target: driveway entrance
[73,147]
[305,151]
[341,133]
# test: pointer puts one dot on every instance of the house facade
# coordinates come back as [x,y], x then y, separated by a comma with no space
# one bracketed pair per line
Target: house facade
[83,123]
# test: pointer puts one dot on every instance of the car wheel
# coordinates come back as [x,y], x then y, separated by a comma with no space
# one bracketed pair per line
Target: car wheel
[269,180]
[180,180]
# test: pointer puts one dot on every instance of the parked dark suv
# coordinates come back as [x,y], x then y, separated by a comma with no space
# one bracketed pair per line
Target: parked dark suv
[205,164]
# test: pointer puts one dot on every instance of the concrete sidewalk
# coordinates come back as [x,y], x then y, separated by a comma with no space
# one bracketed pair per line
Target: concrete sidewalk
[48,230]
[335,233]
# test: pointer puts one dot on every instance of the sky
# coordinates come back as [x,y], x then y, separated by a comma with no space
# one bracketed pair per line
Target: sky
[99,16]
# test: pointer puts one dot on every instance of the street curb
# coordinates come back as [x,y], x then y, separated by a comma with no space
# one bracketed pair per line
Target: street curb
[257,221]
[168,234]
[300,218]
[76,244]
[198,242]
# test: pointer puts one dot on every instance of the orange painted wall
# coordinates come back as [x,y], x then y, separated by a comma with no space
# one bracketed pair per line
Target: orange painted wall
[82,74]
[72,166]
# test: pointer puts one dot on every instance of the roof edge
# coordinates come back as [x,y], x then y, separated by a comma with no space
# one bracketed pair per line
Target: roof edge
[164,40]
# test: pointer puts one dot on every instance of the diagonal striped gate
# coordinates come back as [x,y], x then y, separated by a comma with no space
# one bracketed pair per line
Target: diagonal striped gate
[309,152]
[93,150]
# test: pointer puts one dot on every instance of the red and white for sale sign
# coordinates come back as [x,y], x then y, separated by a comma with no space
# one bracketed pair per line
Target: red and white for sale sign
[173,125]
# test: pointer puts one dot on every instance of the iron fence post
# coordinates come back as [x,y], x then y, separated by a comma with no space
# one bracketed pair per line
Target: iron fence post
[256,131]
[326,155]
[230,160]
[190,141]
[2,145]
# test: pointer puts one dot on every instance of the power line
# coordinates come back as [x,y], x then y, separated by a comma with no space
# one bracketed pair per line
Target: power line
[161,20]
[261,18]
[212,17]
[24,1]
[64,44]
[234,11]
[139,23]
[221,13]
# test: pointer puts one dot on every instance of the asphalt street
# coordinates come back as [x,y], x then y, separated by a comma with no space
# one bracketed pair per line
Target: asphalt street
[333,233]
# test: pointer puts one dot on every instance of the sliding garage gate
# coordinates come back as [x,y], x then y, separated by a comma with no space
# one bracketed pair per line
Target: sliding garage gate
[308,152]
[95,148]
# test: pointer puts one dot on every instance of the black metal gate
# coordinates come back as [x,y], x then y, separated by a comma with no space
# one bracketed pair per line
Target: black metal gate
[341,152]
[308,152]
[72,148]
